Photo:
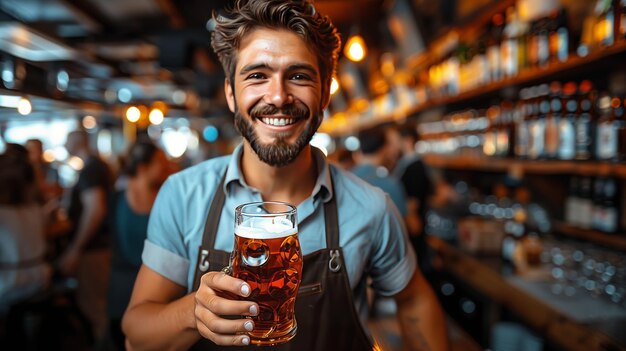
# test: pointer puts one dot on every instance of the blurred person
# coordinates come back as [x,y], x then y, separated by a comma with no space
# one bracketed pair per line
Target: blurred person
[23,269]
[343,158]
[88,253]
[46,177]
[418,187]
[145,167]
[279,57]
[376,154]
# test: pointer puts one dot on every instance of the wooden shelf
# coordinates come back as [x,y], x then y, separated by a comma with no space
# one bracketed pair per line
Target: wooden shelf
[612,240]
[586,168]
[528,76]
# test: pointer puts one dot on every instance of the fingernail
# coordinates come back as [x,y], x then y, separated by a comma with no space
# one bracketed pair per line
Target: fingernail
[253,310]
[248,325]
[245,340]
[245,289]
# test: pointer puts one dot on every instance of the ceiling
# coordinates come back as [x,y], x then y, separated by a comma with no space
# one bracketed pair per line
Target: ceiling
[153,48]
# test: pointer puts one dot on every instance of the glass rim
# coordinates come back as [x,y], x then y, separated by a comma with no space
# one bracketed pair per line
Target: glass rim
[291,209]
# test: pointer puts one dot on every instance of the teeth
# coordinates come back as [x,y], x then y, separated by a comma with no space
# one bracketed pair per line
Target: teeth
[279,122]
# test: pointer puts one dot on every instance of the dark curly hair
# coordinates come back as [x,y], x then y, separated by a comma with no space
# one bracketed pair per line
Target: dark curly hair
[298,16]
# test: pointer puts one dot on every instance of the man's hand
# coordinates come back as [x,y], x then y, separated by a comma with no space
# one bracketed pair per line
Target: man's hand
[216,298]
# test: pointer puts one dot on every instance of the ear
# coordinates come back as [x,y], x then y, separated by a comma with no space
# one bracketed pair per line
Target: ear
[230,95]
[326,95]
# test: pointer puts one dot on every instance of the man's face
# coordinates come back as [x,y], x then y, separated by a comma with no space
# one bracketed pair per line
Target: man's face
[276,94]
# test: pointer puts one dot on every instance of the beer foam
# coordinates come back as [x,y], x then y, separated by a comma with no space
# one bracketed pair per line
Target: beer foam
[265,228]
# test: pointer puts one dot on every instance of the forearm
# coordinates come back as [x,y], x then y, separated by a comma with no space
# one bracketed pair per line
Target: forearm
[88,224]
[157,326]
[423,323]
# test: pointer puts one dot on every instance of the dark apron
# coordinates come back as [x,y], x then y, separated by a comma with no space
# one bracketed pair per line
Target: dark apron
[325,312]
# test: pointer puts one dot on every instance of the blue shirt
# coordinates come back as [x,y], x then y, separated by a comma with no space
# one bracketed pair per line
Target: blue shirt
[386,182]
[372,233]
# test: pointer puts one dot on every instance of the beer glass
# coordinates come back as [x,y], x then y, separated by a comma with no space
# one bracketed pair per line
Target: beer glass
[267,256]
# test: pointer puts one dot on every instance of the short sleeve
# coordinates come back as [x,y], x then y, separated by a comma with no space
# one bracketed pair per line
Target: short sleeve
[393,261]
[164,251]
[397,195]
[95,174]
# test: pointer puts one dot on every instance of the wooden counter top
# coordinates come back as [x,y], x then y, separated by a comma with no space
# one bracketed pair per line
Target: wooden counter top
[537,314]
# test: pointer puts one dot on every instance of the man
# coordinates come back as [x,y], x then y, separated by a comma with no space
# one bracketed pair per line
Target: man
[376,154]
[418,187]
[279,57]
[88,254]
[47,178]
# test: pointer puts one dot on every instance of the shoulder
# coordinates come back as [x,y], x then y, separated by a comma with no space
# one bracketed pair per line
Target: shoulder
[206,173]
[356,193]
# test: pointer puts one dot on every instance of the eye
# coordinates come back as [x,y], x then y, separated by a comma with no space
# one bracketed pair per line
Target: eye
[256,75]
[300,76]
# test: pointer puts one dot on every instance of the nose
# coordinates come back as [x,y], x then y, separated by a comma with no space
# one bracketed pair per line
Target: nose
[278,93]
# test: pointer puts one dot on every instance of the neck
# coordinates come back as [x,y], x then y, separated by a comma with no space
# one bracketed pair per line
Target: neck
[292,183]
[140,194]
[371,159]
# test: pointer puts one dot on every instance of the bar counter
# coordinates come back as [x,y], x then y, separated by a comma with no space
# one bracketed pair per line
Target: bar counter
[549,315]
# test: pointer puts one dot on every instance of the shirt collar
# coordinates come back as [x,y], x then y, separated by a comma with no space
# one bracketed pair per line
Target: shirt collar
[323,185]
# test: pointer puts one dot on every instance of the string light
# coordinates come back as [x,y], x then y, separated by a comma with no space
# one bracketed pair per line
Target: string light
[24,107]
[133,114]
[355,49]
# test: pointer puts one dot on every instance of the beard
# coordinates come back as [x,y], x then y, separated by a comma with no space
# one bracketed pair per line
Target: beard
[279,153]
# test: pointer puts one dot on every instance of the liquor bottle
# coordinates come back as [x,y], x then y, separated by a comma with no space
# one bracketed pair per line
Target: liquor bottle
[506,130]
[567,124]
[489,137]
[607,132]
[605,24]
[553,118]
[537,125]
[559,35]
[571,202]
[598,217]
[620,115]
[509,44]
[585,204]
[622,20]
[522,111]
[611,206]
[514,232]
[585,122]
[494,38]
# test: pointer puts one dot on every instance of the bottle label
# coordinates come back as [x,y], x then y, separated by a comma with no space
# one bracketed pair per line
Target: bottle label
[567,139]
[607,140]
[536,142]
[611,221]
[502,143]
[552,136]
[521,145]
[583,138]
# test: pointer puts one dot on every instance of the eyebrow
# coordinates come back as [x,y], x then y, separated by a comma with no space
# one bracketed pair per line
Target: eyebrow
[294,67]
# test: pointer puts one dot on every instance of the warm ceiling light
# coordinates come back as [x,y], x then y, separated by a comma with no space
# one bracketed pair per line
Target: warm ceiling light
[156,116]
[24,106]
[355,48]
[133,114]
[334,86]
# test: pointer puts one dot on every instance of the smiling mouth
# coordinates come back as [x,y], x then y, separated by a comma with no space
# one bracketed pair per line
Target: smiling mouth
[278,122]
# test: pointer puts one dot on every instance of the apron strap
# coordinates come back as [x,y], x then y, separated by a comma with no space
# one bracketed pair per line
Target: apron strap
[330,219]
[210,231]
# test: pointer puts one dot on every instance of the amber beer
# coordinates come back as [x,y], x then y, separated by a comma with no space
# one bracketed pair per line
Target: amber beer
[267,256]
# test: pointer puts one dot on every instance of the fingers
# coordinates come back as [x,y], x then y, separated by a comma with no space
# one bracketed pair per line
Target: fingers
[226,307]
[222,339]
[221,282]
[216,297]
